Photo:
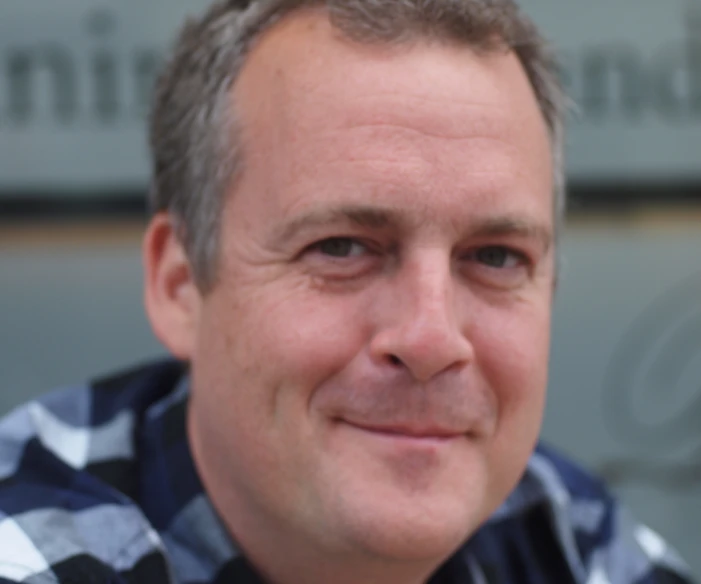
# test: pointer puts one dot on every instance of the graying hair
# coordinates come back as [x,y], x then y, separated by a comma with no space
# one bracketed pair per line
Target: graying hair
[194,141]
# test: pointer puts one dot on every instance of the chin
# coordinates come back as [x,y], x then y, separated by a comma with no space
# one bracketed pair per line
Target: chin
[406,501]
[414,528]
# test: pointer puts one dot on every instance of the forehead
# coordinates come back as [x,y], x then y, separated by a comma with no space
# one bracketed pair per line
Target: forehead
[303,62]
[312,102]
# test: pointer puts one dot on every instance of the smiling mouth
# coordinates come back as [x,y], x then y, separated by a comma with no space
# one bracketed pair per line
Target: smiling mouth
[435,434]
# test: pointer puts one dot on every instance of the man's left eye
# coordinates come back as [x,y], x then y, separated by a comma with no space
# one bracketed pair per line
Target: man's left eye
[341,247]
[497,256]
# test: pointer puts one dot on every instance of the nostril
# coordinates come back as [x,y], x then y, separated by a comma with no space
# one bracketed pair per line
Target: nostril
[394,360]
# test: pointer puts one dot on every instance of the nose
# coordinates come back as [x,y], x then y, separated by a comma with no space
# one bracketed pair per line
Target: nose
[422,328]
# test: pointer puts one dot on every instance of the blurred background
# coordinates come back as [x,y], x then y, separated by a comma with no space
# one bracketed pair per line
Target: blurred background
[625,390]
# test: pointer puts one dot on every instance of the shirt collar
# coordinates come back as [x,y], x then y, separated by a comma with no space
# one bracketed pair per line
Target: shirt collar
[172,496]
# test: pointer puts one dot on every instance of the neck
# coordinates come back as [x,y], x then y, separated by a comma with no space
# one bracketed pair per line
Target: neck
[289,560]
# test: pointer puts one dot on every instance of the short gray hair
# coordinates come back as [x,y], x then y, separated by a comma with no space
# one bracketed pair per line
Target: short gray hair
[194,140]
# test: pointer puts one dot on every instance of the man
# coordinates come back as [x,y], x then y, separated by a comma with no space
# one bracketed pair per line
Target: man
[353,251]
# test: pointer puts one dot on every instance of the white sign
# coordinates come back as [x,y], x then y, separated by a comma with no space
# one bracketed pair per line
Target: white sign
[76,76]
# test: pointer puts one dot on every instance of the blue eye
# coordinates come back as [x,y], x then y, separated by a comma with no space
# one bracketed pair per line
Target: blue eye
[340,247]
[497,256]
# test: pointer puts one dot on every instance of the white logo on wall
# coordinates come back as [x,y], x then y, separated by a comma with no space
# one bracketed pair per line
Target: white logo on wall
[75,85]
[652,393]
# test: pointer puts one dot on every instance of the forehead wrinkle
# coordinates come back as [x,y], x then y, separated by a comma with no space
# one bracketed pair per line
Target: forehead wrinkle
[405,152]
[452,109]
[451,123]
[424,133]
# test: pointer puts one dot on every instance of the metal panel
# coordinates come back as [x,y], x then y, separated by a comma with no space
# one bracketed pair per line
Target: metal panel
[75,79]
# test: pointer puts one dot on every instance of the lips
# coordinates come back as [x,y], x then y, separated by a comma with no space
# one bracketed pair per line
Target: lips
[407,430]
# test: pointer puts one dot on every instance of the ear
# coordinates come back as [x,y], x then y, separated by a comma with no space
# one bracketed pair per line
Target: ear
[171,297]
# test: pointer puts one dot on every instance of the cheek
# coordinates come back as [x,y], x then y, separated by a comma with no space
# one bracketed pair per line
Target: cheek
[284,342]
[259,362]
[512,347]
[512,354]
[309,340]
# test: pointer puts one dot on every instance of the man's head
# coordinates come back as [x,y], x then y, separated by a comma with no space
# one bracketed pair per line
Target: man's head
[369,355]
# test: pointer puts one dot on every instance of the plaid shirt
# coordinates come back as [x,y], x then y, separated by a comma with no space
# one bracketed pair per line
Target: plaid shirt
[97,485]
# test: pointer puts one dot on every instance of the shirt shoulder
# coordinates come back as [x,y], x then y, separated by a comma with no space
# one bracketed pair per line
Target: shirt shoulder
[566,526]
[68,479]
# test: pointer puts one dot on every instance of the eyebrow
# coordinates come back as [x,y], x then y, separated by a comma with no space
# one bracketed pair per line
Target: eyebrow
[366,217]
[514,226]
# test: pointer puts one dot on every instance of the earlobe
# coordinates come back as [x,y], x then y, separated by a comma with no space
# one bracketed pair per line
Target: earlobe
[171,296]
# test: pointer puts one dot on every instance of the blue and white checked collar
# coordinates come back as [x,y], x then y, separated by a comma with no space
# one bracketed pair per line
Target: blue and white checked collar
[97,484]
[173,498]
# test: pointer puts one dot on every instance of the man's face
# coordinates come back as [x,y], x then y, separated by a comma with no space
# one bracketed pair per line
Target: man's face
[369,370]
